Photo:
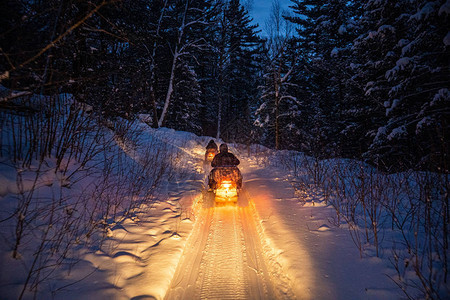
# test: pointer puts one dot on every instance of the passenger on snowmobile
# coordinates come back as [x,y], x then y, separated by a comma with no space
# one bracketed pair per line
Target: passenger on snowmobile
[225,158]
[224,165]
[211,151]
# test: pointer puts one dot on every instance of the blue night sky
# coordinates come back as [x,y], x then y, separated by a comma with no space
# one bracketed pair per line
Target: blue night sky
[260,10]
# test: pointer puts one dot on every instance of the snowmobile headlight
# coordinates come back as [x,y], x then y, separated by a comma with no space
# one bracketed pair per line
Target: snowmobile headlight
[226,184]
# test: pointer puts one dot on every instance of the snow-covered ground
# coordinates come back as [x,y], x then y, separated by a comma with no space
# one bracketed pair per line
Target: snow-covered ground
[178,245]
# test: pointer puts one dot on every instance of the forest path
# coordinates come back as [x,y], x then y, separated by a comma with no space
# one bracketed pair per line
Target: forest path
[223,258]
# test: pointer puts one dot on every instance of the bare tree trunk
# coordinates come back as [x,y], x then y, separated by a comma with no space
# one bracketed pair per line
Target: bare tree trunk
[47,62]
[152,68]
[174,64]
[279,33]
[169,90]
[155,111]
[221,84]
[277,86]
[219,117]
[220,96]
[277,125]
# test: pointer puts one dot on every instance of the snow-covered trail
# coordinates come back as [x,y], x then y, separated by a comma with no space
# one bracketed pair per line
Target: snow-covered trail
[272,245]
[269,246]
[311,256]
[224,258]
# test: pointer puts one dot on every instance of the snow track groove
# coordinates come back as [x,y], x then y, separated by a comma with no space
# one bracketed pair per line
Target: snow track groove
[221,274]
[223,258]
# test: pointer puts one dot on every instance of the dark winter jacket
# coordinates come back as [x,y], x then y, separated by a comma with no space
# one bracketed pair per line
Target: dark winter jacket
[224,159]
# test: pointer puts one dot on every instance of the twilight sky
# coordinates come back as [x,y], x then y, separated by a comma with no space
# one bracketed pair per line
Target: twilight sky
[260,10]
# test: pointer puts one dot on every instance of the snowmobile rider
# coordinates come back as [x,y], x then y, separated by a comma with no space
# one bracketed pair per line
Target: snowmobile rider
[224,158]
[228,162]
[212,145]
[211,151]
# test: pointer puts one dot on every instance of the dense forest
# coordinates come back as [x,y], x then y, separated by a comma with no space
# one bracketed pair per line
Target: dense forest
[333,78]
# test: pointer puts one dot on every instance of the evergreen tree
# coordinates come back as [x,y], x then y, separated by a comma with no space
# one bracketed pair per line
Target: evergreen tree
[323,35]
[418,99]
[371,57]
[229,73]
[239,72]
[403,57]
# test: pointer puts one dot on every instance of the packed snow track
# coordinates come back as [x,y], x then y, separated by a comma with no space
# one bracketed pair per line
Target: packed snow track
[223,258]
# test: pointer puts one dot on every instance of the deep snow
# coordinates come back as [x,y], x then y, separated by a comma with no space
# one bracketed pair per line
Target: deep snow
[306,255]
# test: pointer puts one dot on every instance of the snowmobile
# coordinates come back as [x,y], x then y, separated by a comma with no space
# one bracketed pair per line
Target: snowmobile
[209,154]
[226,183]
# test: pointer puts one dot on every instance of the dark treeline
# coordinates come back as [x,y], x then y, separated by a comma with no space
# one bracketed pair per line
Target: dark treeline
[334,78]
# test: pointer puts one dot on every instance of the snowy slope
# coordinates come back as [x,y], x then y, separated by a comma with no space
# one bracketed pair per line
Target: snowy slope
[273,244]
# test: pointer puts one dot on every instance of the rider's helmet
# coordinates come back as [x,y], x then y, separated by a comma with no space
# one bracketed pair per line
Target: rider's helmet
[223,148]
[211,145]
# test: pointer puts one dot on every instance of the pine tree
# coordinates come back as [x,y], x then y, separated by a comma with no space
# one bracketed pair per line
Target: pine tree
[418,104]
[324,34]
[239,72]
[404,50]
[229,73]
